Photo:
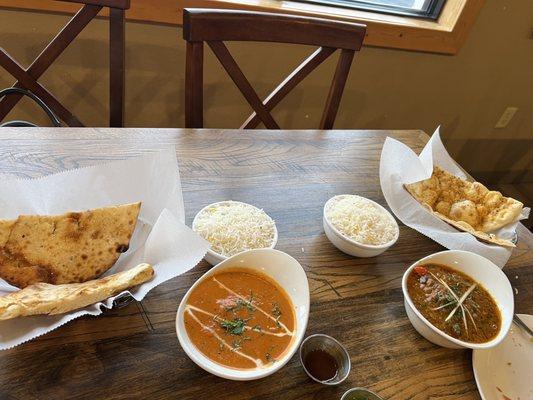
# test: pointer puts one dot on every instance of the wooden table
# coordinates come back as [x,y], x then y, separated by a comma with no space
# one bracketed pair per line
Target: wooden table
[133,352]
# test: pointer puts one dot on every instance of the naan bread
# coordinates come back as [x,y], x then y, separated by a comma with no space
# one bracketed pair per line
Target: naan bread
[5,230]
[468,206]
[68,248]
[43,298]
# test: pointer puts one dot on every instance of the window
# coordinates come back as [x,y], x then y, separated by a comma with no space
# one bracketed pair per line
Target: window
[429,9]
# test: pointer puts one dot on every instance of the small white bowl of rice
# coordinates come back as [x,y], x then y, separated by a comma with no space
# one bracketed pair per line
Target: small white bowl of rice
[359,226]
[232,227]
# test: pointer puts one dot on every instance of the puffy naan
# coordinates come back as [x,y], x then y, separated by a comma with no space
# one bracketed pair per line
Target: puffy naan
[44,298]
[68,248]
[468,206]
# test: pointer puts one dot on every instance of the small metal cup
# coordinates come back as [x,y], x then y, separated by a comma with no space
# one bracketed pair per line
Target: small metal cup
[332,347]
[369,395]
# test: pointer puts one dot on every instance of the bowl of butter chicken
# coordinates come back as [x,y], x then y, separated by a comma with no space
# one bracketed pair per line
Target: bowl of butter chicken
[245,318]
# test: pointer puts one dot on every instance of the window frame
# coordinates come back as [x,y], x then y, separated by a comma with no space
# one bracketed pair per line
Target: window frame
[433,12]
[445,35]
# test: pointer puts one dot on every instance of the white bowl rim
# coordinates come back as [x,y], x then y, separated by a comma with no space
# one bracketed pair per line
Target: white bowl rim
[232,373]
[499,337]
[359,388]
[363,245]
[222,257]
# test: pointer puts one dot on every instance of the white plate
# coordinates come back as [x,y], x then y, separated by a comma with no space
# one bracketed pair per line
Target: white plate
[507,369]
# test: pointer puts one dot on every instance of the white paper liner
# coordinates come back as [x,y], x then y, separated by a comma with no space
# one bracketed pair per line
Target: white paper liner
[160,238]
[400,165]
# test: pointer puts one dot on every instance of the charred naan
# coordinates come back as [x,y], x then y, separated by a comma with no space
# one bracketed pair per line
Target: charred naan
[468,206]
[68,248]
[44,298]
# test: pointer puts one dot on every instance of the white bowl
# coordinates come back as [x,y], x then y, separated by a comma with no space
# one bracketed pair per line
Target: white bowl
[483,271]
[283,269]
[350,246]
[212,257]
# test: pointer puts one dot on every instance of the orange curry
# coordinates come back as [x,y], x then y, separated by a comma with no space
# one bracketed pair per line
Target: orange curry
[240,319]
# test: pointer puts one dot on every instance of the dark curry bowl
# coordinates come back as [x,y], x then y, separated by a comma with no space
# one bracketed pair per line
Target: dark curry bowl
[481,270]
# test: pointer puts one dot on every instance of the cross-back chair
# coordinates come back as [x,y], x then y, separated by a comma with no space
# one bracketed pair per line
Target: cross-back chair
[27,78]
[214,27]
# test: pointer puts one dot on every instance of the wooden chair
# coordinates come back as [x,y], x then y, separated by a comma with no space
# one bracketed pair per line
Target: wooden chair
[27,77]
[216,26]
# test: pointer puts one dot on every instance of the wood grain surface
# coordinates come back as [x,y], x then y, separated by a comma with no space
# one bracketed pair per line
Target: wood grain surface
[133,352]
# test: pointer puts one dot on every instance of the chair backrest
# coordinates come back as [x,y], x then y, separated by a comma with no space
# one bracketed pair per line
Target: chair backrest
[216,26]
[27,77]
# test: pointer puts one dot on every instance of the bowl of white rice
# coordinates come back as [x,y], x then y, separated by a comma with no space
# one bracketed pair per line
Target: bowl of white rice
[359,226]
[232,227]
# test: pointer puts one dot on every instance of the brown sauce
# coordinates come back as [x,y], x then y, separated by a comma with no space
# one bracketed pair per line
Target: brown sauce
[321,365]
[481,321]
[240,319]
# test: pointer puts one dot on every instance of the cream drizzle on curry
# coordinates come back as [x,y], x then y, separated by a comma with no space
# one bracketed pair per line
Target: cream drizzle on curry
[240,319]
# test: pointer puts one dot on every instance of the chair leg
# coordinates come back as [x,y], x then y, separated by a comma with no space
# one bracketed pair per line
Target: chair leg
[336,89]
[194,71]
[117,73]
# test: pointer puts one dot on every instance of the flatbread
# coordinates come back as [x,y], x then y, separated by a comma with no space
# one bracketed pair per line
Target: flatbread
[5,230]
[468,206]
[69,248]
[44,298]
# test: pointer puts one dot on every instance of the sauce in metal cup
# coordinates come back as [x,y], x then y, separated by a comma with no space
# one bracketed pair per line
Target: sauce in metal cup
[324,359]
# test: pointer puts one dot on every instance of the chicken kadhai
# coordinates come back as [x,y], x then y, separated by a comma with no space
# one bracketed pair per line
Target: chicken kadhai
[454,303]
[240,319]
